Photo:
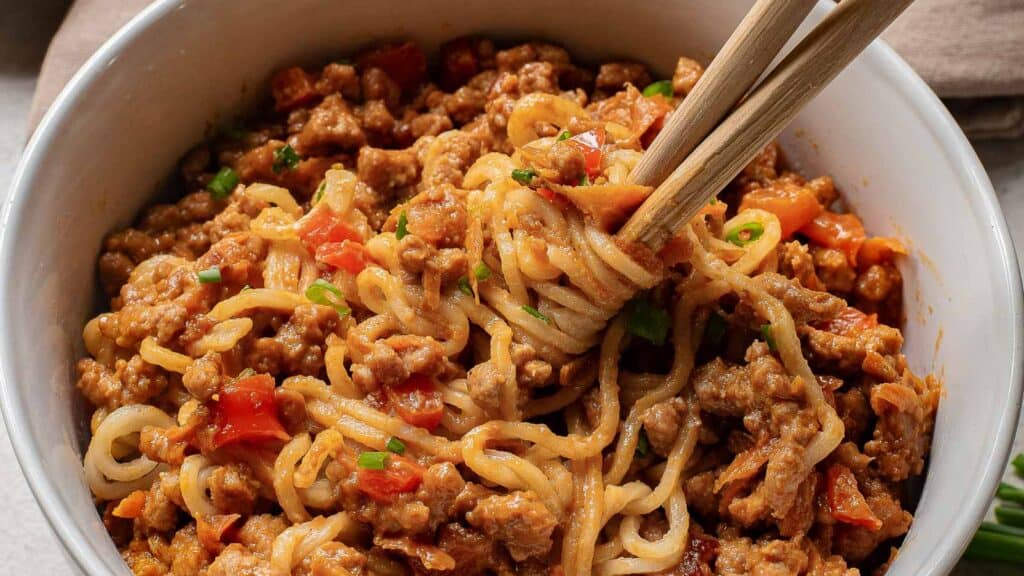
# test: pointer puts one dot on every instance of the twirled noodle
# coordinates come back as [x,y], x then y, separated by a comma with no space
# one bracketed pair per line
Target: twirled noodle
[223,336]
[194,477]
[108,478]
[281,300]
[300,540]
[163,357]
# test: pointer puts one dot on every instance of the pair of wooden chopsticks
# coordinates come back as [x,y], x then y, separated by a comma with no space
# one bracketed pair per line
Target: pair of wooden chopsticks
[698,152]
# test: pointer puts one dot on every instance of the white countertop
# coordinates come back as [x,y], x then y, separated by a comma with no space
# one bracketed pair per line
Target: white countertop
[26,544]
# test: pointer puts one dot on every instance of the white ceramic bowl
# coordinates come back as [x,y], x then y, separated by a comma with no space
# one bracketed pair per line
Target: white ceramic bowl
[119,127]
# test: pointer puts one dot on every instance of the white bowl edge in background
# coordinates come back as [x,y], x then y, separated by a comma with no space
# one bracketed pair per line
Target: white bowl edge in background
[144,62]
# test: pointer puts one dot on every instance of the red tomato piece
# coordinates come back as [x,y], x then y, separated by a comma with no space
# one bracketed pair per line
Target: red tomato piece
[292,87]
[590,143]
[879,250]
[795,206]
[400,475]
[215,530]
[404,63]
[840,231]
[347,255]
[417,401]
[850,320]
[245,412]
[323,226]
[845,500]
[130,506]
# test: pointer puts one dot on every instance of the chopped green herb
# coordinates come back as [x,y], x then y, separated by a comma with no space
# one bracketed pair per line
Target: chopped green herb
[209,276]
[285,157]
[1010,515]
[524,175]
[481,271]
[320,192]
[715,330]
[395,445]
[584,181]
[647,321]
[1010,493]
[713,201]
[373,460]
[769,338]
[403,226]
[663,87]
[536,313]
[1018,464]
[246,373]
[745,233]
[565,135]
[318,291]
[642,445]
[464,286]
[223,183]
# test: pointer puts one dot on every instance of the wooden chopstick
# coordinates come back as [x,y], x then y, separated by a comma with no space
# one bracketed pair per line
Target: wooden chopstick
[745,55]
[819,57]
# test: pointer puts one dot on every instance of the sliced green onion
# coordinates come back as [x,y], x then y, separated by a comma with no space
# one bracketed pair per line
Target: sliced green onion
[713,201]
[1010,516]
[536,313]
[1010,493]
[715,330]
[745,233]
[373,460]
[481,271]
[584,181]
[524,175]
[565,135]
[464,286]
[1018,464]
[663,87]
[209,276]
[245,373]
[402,230]
[318,291]
[769,338]
[995,542]
[320,192]
[395,445]
[647,321]
[642,445]
[223,183]
[285,157]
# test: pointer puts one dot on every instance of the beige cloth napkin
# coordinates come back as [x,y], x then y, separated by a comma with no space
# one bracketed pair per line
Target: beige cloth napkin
[971,52]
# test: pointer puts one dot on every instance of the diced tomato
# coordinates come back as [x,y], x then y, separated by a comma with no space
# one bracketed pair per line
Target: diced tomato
[590,143]
[292,87]
[347,255]
[845,500]
[215,530]
[676,251]
[404,63]
[400,475]
[417,401]
[879,250]
[840,231]
[553,197]
[848,321]
[795,206]
[245,412]
[323,226]
[131,505]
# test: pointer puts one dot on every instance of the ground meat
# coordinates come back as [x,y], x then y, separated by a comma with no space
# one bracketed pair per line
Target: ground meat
[441,485]
[385,366]
[804,304]
[390,173]
[339,78]
[235,560]
[470,100]
[188,557]
[419,354]
[298,347]
[472,551]
[700,494]
[518,520]
[377,122]
[537,77]
[834,270]
[730,390]
[741,557]
[485,382]
[291,407]
[430,124]
[855,543]
[906,415]
[853,408]
[130,382]
[438,215]
[203,378]
[661,423]
[332,125]
[143,563]
[796,262]
[114,270]
[336,559]
[614,75]
[848,352]
[159,513]
[233,488]
[447,160]
[377,85]
[686,75]
[166,445]
[567,161]
[258,532]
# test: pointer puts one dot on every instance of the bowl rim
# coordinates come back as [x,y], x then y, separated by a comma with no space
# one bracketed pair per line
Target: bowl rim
[883,61]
